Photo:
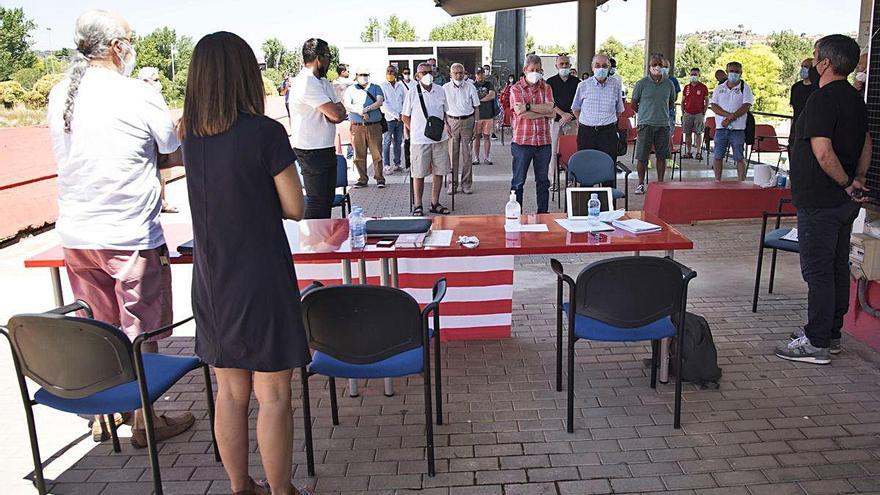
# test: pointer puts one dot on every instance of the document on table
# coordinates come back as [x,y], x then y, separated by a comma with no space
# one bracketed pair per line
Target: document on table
[439,238]
[792,235]
[527,227]
[581,226]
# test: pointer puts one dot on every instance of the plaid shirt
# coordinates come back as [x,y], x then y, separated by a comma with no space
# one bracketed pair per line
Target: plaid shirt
[598,103]
[530,132]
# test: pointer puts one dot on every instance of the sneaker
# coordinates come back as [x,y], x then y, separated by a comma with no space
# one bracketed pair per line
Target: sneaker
[388,170]
[494,137]
[475,162]
[640,189]
[171,427]
[487,161]
[835,343]
[358,185]
[398,168]
[381,185]
[100,428]
[801,350]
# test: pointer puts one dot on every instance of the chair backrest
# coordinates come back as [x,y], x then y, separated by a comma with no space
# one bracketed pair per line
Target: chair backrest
[710,127]
[361,324]
[71,357]
[765,135]
[630,291]
[677,136]
[341,171]
[589,167]
[628,110]
[567,146]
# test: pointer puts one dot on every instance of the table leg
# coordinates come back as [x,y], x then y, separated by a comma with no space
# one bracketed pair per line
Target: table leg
[663,375]
[385,276]
[346,279]
[55,273]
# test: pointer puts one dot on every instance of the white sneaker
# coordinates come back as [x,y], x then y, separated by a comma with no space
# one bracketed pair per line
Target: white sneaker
[388,170]
[640,189]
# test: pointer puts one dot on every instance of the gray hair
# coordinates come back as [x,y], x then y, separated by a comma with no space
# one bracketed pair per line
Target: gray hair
[456,66]
[600,56]
[841,50]
[532,59]
[95,32]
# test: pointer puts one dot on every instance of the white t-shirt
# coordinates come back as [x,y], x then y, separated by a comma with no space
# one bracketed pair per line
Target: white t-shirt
[462,99]
[394,96]
[435,102]
[730,100]
[109,192]
[311,130]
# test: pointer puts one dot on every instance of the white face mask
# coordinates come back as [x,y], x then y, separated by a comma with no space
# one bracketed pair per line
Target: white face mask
[427,80]
[861,76]
[128,65]
[363,81]
[156,85]
[564,72]
[534,77]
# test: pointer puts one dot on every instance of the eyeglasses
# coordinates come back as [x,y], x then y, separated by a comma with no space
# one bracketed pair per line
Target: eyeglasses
[563,54]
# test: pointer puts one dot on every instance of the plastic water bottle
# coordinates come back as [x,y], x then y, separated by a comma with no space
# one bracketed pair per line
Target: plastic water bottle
[593,206]
[512,211]
[357,228]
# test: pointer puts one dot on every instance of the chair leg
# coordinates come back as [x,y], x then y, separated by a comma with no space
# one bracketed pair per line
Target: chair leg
[209,397]
[111,425]
[307,422]
[39,480]
[559,348]
[655,359]
[429,422]
[438,387]
[334,407]
[570,395]
[152,447]
[677,419]
[758,277]
[772,272]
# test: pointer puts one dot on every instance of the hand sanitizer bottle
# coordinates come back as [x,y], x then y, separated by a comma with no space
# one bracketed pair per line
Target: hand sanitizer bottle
[512,211]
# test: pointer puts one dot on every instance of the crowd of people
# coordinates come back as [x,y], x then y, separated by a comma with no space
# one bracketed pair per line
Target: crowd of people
[111,134]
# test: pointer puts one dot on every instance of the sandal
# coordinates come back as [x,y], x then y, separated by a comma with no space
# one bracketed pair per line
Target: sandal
[256,488]
[439,209]
[418,211]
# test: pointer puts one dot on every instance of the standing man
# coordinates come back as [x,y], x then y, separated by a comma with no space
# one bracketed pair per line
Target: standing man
[652,97]
[564,86]
[342,81]
[720,77]
[677,86]
[532,102]
[731,102]
[486,121]
[832,154]
[693,113]
[438,77]
[407,82]
[597,105]
[463,102]
[316,111]
[429,157]
[612,72]
[800,92]
[363,101]
[394,92]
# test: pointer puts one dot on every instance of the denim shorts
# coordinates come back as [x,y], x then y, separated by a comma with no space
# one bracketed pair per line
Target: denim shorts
[736,139]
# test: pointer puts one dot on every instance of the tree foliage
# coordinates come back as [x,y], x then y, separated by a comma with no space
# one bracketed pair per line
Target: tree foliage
[556,49]
[154,50]
[273,52]
[631,64]
[399,30]
[11,92]
[15,42]
[791,50]
[27,77]
[612,47]
[468,28]
[693,54]
[368,35]
[761,69]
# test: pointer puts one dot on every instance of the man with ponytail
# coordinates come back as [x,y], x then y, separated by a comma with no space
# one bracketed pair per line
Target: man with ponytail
[111,133]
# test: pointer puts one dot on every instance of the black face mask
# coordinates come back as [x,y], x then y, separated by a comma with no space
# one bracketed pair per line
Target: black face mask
[814,75]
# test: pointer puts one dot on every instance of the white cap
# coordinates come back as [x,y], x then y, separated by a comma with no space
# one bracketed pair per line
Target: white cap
[362,70]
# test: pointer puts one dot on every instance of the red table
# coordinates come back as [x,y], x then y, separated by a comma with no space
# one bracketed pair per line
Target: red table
[688,202]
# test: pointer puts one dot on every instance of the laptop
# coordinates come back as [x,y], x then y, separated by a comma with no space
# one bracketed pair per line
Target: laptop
[578,197]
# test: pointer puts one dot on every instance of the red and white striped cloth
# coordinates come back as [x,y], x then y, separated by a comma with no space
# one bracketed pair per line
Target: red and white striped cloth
[479,296]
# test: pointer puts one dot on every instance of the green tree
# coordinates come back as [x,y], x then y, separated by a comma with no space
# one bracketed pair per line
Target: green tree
[530,43]
[273,51]
[154,50]
[468,28]
[791,50]
[15,42]
[27,77]
[399,30]
[631,64]
[761,69]
[612,47]
[11,92]
[368,35]
[555,49]
[693,54]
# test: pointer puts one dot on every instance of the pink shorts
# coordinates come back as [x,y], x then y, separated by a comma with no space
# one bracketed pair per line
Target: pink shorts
[127,289]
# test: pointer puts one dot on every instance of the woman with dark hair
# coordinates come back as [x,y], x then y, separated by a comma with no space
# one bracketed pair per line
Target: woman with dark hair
[242,182]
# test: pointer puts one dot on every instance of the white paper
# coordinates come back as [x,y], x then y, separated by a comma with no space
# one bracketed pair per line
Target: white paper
[610,216]
[529,227]
[581,226]
[792,235]
[439,238]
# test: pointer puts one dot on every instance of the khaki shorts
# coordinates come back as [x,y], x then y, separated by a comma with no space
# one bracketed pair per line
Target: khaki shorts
[692,122]
[429,159]
[485,127]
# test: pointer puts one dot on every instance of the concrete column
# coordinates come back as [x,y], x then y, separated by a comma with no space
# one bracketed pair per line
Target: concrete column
[660,29]
[586,46]
[865,15]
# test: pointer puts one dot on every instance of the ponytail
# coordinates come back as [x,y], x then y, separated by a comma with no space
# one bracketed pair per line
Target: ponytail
[77,71]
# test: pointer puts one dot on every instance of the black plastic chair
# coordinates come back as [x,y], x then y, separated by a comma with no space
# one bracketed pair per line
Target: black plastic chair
[773,240]
[89,367]
[368,331]
[626,299]
[590,167]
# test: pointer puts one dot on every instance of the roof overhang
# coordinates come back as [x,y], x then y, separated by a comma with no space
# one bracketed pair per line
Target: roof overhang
[465,7]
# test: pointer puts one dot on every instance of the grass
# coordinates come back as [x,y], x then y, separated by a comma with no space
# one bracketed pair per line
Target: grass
[21,116]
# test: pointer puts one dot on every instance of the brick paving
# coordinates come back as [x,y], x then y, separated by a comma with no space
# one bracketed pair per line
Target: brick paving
[773,427]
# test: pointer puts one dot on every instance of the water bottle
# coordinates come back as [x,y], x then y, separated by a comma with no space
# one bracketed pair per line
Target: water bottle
[593,207]
[357,228]
[512,211]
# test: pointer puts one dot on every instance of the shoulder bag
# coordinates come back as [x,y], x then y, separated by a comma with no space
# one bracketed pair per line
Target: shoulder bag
[433,125]
[383,122]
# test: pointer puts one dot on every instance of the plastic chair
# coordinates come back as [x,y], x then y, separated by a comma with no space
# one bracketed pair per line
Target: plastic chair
[342,200]
[590,167]
[626,299]
[767,141]
[88,367]
[773,240]
[567,147]
[364,331]
[708,137]
[675,151]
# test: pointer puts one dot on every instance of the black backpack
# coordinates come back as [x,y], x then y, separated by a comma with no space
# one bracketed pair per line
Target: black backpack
[750,121]
[699,363]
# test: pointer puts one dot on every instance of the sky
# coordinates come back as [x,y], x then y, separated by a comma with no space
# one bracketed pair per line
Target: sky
[340,22]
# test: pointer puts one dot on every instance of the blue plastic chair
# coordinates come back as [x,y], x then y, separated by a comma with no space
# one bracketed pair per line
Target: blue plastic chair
[626,299]
[773,240]
[590,167]
[89,367]
[368,331]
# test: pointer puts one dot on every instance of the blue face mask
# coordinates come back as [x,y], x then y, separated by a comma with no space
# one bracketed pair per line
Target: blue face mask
[664,71]
[805,72]
[733,77]
[601,73]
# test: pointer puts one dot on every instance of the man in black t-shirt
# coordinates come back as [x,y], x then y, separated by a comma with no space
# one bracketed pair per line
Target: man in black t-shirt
[564,85]
[832,153]
[799,94]
[486,117]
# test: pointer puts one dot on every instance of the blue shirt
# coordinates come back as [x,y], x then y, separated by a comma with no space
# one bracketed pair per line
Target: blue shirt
[355,98]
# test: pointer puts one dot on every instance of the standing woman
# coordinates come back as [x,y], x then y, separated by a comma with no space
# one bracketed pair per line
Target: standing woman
[242,183]
[506,111]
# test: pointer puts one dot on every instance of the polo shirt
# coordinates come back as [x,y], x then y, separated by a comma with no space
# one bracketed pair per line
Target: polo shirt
[694,99]
[730,99]
[435,103]
[563,92]
[461,99]
[355,99]
[654,98]
[598,103]
[394,95]
[311,130]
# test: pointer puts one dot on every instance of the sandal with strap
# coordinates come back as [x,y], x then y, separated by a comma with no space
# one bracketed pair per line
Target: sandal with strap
[439,209]
[256,488]
[418,212]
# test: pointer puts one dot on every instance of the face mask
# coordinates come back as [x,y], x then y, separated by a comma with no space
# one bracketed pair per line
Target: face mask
[156,85]
[406,77]
[612,71]
[390,77]
[511,81]
[534,77]
[655,70]
[861,76]
[664,71]
[564,72]
[427,80]
[814,75]
[695,79]
[733,77]
[601,73]
[128,65]
[363,81]
[805,72]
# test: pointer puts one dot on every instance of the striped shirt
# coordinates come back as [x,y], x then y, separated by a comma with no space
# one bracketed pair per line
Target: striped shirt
[530,132]
[598,103]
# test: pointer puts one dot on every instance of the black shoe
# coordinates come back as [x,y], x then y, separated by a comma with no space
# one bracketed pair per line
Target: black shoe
[358,185]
